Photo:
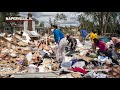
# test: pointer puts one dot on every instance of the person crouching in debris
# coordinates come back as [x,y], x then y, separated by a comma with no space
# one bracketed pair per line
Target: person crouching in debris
[73,42]
[60,42]
[103,49]
[115,42]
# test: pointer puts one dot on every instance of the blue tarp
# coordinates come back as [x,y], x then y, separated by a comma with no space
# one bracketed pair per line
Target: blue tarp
[104,39]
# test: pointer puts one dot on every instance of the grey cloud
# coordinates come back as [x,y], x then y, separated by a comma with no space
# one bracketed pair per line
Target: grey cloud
[70,22]
[44,16]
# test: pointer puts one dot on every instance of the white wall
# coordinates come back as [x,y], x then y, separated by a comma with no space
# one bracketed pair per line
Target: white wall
[33,25]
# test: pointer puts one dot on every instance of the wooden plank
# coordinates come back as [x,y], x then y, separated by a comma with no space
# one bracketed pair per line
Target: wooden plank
[37,75]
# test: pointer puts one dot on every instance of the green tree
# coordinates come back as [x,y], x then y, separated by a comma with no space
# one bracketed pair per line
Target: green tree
[104,20]
[60,17]
[84,23]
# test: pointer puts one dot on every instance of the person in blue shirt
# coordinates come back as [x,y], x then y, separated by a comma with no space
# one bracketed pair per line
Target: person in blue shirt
[58,35]
[61,43]
[83,34]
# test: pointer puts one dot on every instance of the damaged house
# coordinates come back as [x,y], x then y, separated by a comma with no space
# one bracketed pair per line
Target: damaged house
[19,26]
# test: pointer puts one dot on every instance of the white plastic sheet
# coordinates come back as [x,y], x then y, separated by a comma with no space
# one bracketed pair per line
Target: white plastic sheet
[79,44]
[27,37]
[29,56]
[34,33]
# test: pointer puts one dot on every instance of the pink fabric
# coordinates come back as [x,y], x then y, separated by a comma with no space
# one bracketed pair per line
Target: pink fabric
[115,40]
[102,46]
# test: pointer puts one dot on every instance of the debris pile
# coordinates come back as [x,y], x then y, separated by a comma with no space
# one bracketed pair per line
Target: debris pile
[38,56]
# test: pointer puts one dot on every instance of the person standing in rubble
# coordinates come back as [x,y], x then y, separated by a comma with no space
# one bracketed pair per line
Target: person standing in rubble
[60,42]
[92,36]
[83,34]
[103,49]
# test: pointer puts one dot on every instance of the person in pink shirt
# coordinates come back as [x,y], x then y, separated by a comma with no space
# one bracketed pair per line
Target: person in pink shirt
[103,49]
[100,44]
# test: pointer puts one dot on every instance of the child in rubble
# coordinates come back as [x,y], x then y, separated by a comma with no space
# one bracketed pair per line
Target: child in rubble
[103,49]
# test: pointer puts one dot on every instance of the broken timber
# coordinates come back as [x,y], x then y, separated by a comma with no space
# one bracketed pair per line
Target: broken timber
[4,39]
[37,75]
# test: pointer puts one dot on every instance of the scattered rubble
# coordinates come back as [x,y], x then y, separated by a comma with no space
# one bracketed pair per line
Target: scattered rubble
[38,56]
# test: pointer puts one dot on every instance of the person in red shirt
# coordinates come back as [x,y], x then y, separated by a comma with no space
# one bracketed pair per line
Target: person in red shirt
[103,49]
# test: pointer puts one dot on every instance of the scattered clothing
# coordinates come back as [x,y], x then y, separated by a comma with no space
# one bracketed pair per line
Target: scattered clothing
[96,63]
[67,64]
[103,58]
[77,69]
[79,64]
[115,40]
[93,74]
[109,55]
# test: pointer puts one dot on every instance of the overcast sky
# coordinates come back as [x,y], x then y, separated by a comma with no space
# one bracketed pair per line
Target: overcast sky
[44,16]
